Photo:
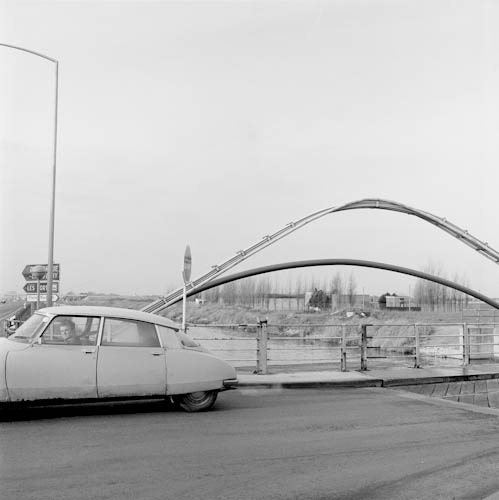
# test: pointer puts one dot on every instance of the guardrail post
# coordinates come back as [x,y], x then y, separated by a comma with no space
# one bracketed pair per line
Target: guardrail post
[363,348]
[417,359]
[343,349]
[495,337]
[466,344]
[261,363]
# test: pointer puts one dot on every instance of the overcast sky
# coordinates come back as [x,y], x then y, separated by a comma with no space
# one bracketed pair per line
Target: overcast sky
[215,123]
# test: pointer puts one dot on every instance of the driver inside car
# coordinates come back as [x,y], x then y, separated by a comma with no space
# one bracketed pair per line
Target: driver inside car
[67,331]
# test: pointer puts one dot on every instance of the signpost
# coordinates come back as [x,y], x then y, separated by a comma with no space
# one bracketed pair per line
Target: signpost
[29,270]
[38,282]
[186,275]
[32,287]
[43,298]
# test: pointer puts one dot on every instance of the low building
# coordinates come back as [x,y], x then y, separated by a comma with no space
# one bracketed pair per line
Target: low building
[401,302]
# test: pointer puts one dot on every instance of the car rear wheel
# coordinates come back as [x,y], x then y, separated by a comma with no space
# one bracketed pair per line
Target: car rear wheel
[196,401]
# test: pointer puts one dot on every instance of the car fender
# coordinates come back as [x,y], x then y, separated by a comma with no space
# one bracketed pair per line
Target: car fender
[190,371]
[7,346]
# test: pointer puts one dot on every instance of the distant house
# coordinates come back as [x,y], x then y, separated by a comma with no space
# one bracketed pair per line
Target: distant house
[357,301]
[401,302]
[74,297]
[363,300]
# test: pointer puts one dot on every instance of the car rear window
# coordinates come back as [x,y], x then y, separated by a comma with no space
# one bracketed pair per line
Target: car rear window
[129,333]
[169,337]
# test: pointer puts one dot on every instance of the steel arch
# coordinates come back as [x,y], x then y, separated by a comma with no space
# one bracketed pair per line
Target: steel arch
[341,262]
[376,203]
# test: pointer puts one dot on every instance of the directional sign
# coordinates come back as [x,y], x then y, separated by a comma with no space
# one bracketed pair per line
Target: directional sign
[43,298]
[32,287]
[29,276]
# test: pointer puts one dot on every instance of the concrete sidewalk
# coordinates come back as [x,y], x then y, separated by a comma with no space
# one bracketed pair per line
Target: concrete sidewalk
[389,377]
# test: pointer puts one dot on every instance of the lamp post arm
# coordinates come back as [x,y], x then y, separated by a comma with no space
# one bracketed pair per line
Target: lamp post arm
[50,267]
[30,51]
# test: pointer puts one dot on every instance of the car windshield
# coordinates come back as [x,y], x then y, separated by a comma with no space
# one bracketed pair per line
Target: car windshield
[30,328]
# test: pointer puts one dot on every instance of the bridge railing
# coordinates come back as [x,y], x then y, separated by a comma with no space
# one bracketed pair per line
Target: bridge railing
[261,346]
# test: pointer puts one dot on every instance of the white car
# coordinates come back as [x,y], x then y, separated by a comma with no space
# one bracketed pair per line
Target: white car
[98,353]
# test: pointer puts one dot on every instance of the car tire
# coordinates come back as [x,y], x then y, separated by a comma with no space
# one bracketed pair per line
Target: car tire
[196,401]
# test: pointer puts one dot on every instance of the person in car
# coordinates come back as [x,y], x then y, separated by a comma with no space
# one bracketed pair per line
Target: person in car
[68,334]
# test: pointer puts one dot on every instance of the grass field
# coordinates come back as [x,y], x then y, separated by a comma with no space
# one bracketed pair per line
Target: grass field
[392,324]
[216,313]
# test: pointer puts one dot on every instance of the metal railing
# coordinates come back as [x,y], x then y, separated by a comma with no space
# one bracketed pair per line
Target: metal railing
[261,345]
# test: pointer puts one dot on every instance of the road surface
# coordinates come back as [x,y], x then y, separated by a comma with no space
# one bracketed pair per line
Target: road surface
[313,444]
[9,308]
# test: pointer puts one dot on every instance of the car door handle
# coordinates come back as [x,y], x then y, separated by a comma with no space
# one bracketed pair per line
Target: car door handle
[88,351]
[155,353]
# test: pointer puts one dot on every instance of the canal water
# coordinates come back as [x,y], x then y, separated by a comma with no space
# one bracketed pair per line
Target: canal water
[238,346]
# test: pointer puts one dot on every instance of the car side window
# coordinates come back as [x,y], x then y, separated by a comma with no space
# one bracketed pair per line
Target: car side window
[128,333]
[72,330]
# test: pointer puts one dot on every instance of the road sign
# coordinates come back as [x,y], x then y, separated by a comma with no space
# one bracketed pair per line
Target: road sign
[187,264]
[43,298]
[32,287]
[29,276]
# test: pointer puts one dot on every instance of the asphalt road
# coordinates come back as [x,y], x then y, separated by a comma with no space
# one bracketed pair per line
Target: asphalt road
[256,444]
[9,308]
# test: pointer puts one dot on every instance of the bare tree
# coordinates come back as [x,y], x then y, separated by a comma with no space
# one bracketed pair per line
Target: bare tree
[212,295]
[434,296]
[247,292]
[290,290]
[229,293]
[351,289]
[299,290]
[263,290]
[337,288]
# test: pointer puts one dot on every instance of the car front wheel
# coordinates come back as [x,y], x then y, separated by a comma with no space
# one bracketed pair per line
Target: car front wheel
[196,401]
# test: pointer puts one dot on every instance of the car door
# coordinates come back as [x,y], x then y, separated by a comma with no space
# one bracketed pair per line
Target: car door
[131,361]
[52,367]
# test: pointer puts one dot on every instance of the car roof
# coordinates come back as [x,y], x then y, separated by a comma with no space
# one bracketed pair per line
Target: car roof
[115,312]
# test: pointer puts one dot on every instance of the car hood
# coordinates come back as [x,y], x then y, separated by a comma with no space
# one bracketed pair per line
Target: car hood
[7,345]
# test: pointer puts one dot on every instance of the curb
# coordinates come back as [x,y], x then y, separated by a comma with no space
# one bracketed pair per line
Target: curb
[366,381]
[311,384]
[439,379]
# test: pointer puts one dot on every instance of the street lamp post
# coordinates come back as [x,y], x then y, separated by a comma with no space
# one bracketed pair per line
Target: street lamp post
[52,198]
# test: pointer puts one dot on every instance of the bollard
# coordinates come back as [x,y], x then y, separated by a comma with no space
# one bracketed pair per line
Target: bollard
[466,345]
[363,348]
[495,332]
[417,359]
[261,363]
[343,349]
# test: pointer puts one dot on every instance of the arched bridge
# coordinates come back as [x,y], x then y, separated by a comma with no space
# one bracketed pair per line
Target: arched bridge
[195,285]
[342,262]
